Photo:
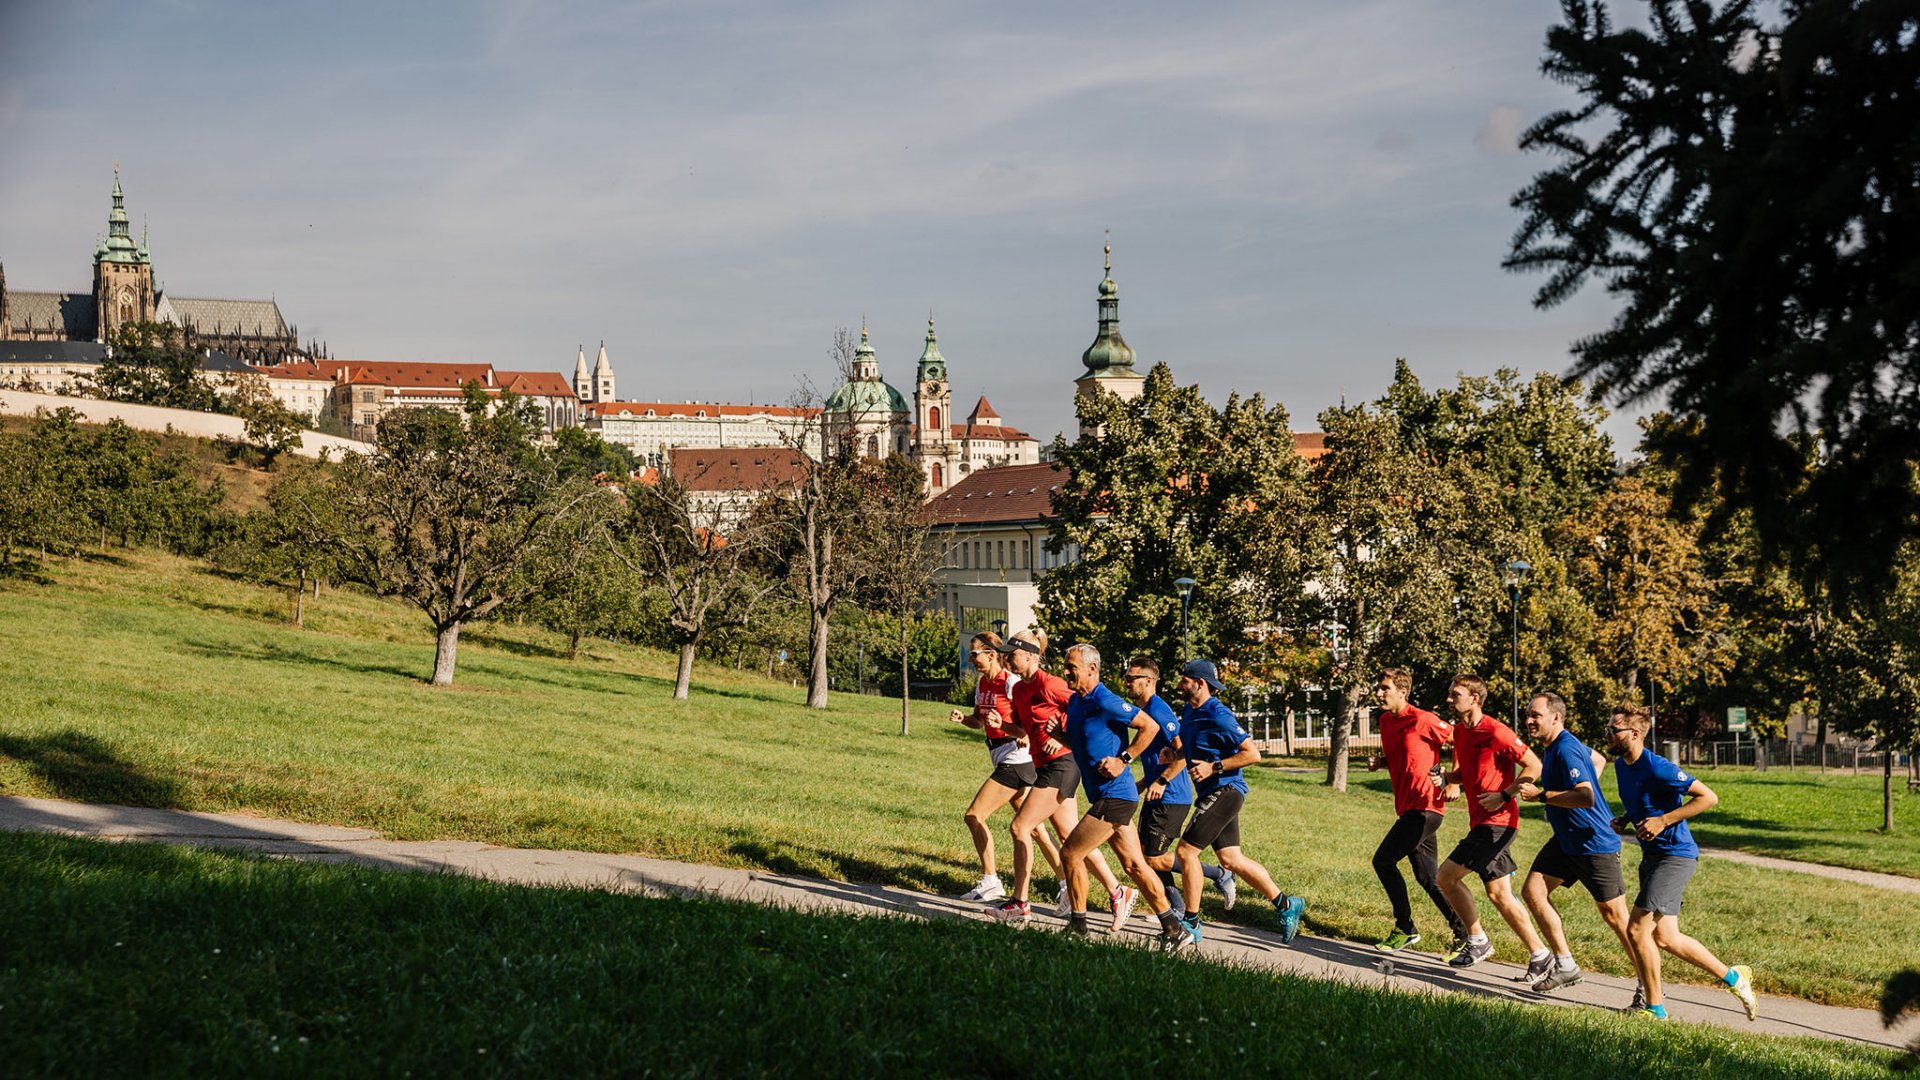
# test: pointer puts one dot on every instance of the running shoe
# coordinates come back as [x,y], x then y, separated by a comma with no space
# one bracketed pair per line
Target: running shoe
[1558,978]
[1078,927]
[1648,1014]
[1742,988]
[1016,912]
[1175,938]
[1229,892]
[1292,910]
[1193,927]
[1536,970]
[1469,954]
[1124,902]
[1063,906]
[987,888]
[1639,1001]
[1397,940]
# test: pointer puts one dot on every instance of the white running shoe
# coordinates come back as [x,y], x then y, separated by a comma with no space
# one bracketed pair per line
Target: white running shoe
[1229,892]
[1064,906]
[1124,902]
[987,888]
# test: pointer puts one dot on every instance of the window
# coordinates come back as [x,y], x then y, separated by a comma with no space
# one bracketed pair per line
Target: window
[938,477]
[933,418]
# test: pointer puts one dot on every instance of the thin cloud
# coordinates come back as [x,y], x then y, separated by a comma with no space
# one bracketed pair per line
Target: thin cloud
[1500,135]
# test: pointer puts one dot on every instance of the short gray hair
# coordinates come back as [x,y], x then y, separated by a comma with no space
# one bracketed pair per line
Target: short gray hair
[1092,654]
[1555,703]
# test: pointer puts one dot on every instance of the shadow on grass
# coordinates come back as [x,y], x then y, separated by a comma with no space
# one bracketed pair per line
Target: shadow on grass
[279,654]
[75,765]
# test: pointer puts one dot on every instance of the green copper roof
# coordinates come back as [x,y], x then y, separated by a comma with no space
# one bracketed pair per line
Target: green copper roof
[119,247]
[866,393]
[1109,356]
[932,364]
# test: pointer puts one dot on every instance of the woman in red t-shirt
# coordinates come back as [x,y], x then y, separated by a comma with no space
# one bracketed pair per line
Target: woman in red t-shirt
[1039,708]
[1012,775]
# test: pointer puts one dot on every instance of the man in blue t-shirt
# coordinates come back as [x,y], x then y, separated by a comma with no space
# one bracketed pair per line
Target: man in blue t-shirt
[1216,749]
[1107,735]
[1656,799]
[1166,792]
[1583,847]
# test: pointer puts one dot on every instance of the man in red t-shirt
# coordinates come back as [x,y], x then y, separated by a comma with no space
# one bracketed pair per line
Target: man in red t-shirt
[1485,753]
[1410,743]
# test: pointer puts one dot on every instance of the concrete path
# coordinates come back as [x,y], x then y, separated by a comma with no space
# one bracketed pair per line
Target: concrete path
[1837,873]
[1310,956]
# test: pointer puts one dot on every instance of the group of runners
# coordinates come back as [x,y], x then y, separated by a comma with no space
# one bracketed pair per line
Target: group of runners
[1047,735]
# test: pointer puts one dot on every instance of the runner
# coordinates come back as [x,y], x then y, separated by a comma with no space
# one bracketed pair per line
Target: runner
[1217,748]
[1166,791]
[1106,734]
[1583,847]
[1410,743]
[1656,799]
[1012,764]
[1485,752]
[1039,699]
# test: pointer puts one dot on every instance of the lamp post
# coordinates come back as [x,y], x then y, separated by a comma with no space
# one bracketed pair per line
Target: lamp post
[1185,585]
[1514,574]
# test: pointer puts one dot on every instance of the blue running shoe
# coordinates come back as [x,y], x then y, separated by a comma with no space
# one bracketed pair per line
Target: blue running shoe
[1292,910]
[1192,925]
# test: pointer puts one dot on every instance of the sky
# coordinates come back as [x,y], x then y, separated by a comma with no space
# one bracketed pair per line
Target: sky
[1298,193]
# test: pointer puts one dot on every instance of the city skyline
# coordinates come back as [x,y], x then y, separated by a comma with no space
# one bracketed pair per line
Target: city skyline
[1296,198]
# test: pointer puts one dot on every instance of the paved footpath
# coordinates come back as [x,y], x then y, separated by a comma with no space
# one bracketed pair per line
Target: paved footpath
[1310,956]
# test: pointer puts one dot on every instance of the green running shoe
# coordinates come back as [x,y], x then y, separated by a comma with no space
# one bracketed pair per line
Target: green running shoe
[1396,941]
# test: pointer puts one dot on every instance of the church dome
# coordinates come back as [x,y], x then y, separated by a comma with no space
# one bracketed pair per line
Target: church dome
[866,397]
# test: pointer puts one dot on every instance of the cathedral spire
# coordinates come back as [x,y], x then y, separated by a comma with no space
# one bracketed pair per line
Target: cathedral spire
[1109,356]
[119,247]
[582,382]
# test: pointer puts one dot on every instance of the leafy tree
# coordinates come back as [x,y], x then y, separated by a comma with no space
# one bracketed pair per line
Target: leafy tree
[817,550]
[1417,540]
[453,512]
[596,597]
[271,428]
[1168,486]
[583,453]
[1746,189]
[292,541]
[44,489]
[901,556]
[708,575]
[1870,670]
[148,365]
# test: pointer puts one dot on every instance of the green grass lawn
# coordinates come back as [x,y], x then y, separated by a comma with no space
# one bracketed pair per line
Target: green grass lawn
[165,961]
[1831,817]
[152,681]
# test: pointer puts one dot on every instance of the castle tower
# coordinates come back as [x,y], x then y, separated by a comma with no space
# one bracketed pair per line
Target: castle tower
[865,411]
[122,274]
[582,382]
[1109,361]
[934,450]
[603,377]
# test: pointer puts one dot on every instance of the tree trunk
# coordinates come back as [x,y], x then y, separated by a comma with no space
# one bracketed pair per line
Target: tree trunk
[299,602]
[905,683]
[443,652]
[1337,738]
[1820,740]
[573,644]
[817,666]
[1886,788]
[684,677]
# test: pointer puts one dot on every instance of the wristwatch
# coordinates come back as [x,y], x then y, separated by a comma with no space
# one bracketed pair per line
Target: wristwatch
[1126,757]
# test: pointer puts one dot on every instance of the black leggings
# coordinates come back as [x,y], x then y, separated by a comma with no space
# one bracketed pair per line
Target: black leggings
[1413,837]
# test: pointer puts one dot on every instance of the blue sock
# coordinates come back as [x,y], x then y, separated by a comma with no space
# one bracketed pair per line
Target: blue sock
[1658,1010]
[1213,873]
[1731,978]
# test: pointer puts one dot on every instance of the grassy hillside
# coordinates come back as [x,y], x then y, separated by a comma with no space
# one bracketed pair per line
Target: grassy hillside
[153,681]
[151,960]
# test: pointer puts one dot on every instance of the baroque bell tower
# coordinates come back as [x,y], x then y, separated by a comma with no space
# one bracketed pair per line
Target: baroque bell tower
[122,273]
[933,416]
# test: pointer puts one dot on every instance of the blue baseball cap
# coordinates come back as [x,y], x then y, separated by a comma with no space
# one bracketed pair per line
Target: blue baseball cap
[1205,672]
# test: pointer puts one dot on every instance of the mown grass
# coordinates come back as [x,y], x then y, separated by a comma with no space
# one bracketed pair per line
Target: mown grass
[1827,817]
[149,680]
[165,961]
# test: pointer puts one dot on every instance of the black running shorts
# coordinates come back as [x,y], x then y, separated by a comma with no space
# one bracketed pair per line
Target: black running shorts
[1014,776]
[1216,820]
[1061,774]
[1484,850]
[1160,823]
[1115,812]
[1600,873]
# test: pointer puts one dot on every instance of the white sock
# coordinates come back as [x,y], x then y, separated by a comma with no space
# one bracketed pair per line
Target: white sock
[1564,961]
[1539,955]
[1476,939]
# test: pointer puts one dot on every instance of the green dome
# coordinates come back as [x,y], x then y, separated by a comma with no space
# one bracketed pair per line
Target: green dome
[866,397]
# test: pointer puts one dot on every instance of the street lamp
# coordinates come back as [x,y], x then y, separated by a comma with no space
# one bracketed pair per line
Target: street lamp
[1514,575]
[1185,585]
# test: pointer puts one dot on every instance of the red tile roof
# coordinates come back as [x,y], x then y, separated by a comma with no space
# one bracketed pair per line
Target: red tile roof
[535,383]
[989,431]
[735,468]
[295,369]
[692,409]
[399,373]
[1311,445]
[1008,493]
[982,411]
